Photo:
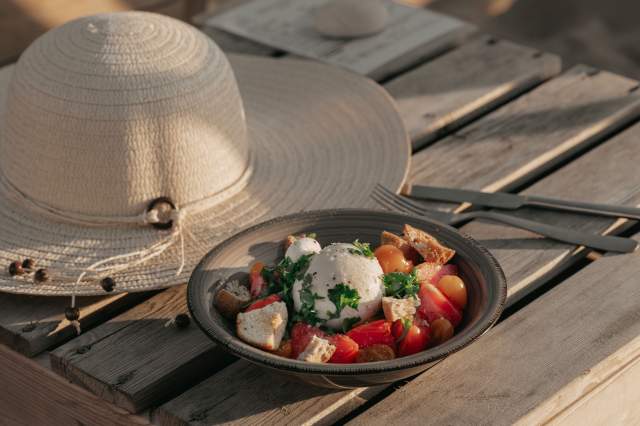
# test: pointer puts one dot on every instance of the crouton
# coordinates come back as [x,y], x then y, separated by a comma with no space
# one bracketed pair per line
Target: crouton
[318,350]
[388,238]
[264,327]
[427,245]
[231,298]
[426,271]
[398,309]
[377,352]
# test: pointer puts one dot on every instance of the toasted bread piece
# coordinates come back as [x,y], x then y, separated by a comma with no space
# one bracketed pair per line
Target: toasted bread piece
[264,327]
[318,350]
[377,352]
[427,245]
[392,239]
[398,309]
[231,298]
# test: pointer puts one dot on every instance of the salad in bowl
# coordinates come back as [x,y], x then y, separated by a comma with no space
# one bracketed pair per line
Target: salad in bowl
[348,302]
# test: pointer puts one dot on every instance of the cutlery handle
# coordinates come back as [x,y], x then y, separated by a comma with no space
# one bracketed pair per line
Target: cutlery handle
[584,207]
[600,242]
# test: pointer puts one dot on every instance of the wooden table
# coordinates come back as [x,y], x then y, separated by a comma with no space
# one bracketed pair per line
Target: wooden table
[483,114]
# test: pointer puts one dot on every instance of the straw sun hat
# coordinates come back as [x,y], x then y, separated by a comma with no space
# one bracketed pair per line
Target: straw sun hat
[130,145]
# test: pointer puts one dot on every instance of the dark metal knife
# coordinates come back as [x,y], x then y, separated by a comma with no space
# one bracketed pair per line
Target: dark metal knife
[503,200]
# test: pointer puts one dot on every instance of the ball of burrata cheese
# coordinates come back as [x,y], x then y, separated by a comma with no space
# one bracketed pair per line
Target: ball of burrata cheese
[302,246]
[340,264]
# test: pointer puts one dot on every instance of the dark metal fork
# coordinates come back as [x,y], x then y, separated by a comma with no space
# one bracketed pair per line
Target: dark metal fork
[392,201]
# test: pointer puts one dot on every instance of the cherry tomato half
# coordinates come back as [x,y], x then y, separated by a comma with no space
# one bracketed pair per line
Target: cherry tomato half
[453,287]
[392,259]
[261,303]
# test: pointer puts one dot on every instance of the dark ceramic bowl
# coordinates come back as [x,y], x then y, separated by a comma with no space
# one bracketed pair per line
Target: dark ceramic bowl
[484,278]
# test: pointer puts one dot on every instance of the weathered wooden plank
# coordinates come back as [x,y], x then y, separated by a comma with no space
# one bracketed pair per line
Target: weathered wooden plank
[444,94]
[529,357]
[229,42]
[604,394]
[280,401]
[533,133]
[53,401]
[31,324]
[138,358]
[410,37]
[234,44]
[605,175]
[521,254]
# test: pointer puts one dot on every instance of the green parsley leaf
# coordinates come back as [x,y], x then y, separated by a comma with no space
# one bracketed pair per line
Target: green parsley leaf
[401,285]
[362,249]
[342,296]
[280,278]
[307,312]
[348,323]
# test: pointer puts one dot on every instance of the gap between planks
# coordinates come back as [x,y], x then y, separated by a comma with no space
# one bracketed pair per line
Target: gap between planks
[521,254]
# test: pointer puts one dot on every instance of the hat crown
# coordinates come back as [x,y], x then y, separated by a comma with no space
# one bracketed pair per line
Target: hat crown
[108,112]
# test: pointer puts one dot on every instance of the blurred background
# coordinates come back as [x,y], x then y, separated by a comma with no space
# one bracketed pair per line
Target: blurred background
[596,32]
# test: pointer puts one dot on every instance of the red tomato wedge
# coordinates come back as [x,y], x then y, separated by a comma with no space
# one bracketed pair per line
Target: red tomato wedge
[416,340]
[434,305]
[256,280]
[346,349]
[301,335]
[445,270]
[397,329]
[261,303]
[375,332]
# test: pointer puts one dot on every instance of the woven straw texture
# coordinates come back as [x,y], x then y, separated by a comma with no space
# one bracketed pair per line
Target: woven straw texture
[106,113]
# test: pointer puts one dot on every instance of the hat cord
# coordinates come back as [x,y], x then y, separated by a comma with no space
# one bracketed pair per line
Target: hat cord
[105,267]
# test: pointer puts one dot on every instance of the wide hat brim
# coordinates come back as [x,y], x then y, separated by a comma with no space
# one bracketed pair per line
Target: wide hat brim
[320,137]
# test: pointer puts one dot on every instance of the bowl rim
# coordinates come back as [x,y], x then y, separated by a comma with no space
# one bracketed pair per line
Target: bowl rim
[233,344]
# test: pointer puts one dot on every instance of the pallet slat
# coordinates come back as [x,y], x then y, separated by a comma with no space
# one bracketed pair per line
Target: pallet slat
[532,134]
[443,95]
[507,244]
[596,177]
[529,357]
[139,358]
[412,35]
[280,399]
[31,324]
[53,401]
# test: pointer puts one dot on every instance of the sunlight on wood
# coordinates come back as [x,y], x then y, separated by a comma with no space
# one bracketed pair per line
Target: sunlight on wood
[415,2]
[50,14]
[498,7]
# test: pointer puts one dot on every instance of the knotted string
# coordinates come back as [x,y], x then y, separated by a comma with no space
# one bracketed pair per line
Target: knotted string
[105,267]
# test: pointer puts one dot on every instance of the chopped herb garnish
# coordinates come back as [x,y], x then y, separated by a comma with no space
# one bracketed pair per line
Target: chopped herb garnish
[280,278]
[362,249]
[348,323]
[311,235]
[401,285]
[307,312]
[342,296]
